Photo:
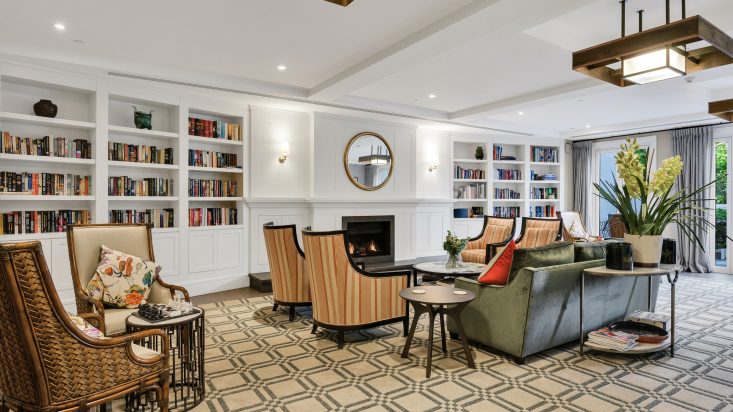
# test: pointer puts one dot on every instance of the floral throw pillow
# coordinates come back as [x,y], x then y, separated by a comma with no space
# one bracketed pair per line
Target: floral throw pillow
[121,280]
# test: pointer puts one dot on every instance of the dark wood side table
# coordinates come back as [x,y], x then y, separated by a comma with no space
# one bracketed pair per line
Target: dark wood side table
[187,385]
[671,271]
[438,300]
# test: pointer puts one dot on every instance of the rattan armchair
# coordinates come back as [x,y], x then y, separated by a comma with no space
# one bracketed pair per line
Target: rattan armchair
[47,363]
[85,243]
[497,232]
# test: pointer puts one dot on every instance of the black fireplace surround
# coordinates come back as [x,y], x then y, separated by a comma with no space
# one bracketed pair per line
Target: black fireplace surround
[370,238]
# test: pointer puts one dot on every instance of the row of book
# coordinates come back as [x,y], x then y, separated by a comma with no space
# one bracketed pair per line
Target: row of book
[498,154]
[212,216]
[123,152]
[547,177]
[212,188]
[216,129]
[542,211]
[51,184]
[544,154]
[159,218]
[508,174]
[42,221]
[206,158]
[149,186]
[471,191]
[506,194]
[46,146]
[543,193]
[462,173]
[506,211]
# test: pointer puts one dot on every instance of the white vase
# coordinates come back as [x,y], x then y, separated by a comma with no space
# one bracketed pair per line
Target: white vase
[647,249]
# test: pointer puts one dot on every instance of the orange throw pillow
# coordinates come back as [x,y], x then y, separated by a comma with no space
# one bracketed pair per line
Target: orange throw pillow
[498,271]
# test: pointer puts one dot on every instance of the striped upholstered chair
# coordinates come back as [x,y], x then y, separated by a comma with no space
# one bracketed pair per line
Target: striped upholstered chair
[497,232]
[539,232]
[288,270]
[346,297]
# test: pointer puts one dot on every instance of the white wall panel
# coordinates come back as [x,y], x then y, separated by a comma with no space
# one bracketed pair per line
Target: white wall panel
[167,247]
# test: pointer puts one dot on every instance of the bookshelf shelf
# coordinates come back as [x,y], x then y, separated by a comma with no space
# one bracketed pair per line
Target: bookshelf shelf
[544,182]
[508,162]
[470,180]
[115,163]
[508,200]
[544,164]
[7,197]
[45,159]
[544,200]
[471,200]
[216,227]
[142,198]
[46,121]
[233,170]
[471,161]
[213,141]
[508,181]
[131,131]
[214,199]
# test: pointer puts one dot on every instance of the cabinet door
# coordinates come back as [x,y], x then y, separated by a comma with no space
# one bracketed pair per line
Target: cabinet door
[230,248]
[166,247]
[201,250]
[474,228]
[59,265]
[461,229]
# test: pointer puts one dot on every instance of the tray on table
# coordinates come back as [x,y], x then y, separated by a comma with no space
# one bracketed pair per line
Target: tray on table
[169,318]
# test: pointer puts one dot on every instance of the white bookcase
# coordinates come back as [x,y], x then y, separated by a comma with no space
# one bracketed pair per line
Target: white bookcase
[510,188]
[204,259]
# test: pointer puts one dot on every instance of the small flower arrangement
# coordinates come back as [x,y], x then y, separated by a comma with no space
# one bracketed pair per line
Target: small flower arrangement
[454,246]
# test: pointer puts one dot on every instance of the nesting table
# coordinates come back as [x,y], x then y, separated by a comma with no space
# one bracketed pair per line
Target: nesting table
[186,333]
[438,300]
[671,271]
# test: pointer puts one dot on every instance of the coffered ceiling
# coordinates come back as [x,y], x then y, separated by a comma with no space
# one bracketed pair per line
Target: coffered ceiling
[483,61]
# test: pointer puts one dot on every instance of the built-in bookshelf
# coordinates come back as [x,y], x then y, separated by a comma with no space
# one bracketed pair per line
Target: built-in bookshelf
[470,179]
[520,179]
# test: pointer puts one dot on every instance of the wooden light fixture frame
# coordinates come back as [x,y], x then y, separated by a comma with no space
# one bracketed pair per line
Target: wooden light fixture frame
[594,61]
[722,109]
[340,2]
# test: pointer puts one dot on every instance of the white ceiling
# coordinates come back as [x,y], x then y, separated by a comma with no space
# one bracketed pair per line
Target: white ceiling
[486,60]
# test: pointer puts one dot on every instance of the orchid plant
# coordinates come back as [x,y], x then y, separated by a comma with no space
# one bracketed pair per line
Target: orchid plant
[647,202]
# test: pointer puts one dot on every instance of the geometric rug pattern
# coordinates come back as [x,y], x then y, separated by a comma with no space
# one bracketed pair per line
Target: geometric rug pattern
[256,360]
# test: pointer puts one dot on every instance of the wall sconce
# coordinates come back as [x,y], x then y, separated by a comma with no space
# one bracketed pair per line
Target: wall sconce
[433,162]
[284,152]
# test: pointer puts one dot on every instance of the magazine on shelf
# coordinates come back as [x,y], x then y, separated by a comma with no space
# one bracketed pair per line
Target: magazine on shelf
[617,340]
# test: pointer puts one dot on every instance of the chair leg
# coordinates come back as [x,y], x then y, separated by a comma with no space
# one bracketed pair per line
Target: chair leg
[103,407]
[274,307]
[292,313]
[315,327]
[341,339]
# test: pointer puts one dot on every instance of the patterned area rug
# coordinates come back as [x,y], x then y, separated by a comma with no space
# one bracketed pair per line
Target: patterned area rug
[258,361]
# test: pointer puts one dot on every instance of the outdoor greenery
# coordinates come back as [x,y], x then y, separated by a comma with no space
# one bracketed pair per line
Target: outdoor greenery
[721,169]
[646,202]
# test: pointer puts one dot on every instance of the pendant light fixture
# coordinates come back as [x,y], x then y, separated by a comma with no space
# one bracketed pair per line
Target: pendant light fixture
[722,109]
[656,54]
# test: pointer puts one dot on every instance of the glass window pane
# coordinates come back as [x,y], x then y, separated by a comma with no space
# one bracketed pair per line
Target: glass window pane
[606,172]
[721,204]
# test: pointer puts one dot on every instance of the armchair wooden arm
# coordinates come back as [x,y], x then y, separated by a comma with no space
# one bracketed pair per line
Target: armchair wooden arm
[94,319]
[87,304]
[173,289]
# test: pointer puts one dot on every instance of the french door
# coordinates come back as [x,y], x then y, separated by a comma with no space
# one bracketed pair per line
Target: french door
[719,250]
[603,166]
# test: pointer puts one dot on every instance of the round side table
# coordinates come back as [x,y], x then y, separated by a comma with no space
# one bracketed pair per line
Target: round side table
[438,300]
[187,385]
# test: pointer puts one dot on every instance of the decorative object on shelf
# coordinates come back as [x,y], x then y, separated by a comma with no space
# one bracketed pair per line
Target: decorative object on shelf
[619,256]
[669,252]
[45,108]
[460,213]
[647,202]
[284,152]
[722,109]
[143,120]
[656,54]
[479,153]
[454,246]
[368,161]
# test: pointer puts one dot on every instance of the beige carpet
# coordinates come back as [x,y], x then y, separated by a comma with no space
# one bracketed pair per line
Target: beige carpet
[258,361]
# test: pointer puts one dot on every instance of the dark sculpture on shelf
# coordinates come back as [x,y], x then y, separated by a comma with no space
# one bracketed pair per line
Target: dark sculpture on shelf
[45,108]
[143,120]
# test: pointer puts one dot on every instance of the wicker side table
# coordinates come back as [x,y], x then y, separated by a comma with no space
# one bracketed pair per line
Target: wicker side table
[187,385]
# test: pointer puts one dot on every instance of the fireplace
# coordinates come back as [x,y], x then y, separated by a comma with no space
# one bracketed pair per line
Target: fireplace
[370,238]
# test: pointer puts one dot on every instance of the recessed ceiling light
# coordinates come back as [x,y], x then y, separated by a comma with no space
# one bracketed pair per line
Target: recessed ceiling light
[77,41]
[416,100]
[432,96]
[59,26]
[282,67]
[521,113]
[587,126]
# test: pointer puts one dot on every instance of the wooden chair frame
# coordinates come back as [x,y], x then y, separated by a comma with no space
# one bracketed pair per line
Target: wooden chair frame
[291,305]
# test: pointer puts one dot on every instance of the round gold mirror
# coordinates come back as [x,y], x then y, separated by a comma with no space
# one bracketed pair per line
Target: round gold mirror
[368,161]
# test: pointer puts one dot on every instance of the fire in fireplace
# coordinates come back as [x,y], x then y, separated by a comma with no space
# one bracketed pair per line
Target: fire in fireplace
[370,238]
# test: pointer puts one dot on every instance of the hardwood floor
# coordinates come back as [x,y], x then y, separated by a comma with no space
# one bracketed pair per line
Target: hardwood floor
[234,294]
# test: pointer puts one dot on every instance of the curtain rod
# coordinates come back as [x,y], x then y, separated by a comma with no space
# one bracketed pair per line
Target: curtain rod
[614,137]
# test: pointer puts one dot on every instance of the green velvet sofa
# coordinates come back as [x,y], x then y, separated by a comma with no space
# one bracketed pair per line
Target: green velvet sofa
[539,308]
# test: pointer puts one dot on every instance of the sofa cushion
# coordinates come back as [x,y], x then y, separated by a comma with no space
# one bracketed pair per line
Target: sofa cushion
[553,254]
[474,255]
[585,251]
[497,272]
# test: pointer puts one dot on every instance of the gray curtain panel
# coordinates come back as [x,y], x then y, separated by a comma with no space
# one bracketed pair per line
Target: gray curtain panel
[582,152]
[695,146]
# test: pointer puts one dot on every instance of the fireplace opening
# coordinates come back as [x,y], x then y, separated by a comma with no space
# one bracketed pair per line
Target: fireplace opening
[370,238]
